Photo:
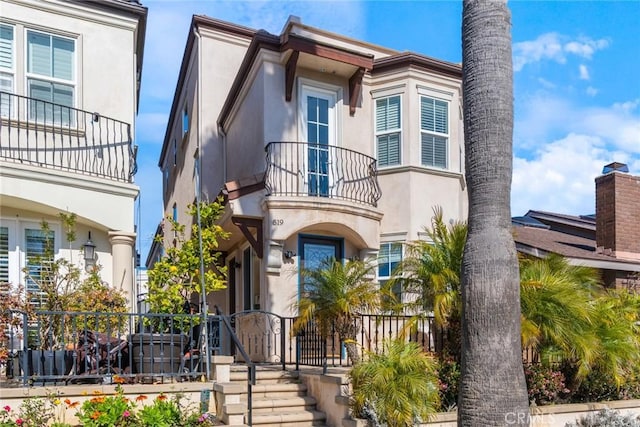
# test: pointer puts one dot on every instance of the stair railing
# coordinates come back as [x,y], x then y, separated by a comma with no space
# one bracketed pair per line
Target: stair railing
[251,367]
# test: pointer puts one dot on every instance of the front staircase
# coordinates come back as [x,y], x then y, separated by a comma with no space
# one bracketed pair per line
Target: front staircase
[279,398]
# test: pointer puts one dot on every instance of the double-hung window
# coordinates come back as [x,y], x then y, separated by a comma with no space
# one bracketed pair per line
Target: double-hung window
[7,68]
[389,257]
[388,130]
[39,246]
[434,132]
[51,77]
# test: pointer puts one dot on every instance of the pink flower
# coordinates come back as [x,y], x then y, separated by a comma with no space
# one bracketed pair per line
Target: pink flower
[126,414]
[7,408]
[19,421]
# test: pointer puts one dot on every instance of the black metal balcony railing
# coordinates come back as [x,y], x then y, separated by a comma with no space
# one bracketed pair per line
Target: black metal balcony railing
[317,170]
[55,136]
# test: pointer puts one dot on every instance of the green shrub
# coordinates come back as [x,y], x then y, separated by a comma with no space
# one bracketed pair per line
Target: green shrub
[606,418]
[599,385]
[398,387]
[448,381]
[544,384]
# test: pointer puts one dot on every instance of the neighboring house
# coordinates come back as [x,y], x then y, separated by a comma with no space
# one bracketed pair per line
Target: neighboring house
[608,241]
[69,86]
[321,146]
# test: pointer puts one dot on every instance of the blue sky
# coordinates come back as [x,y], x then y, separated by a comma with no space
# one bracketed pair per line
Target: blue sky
[576,82]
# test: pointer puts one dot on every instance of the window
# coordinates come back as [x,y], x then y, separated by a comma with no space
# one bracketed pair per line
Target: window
[38,246]
[7,53]
[388,130]
[185,120]
[389,258]
[26,254]
[51,77]
[165,180]
[434,131]
[175,152]
[4,256]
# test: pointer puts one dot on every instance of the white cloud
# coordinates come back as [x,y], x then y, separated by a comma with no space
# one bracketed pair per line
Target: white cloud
[554,47]
[584,72]
[560,176]
[585,47]
[592,91]
[560,147]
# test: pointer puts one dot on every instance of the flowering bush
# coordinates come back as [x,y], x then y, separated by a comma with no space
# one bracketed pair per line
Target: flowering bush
[448,380]
[544,384]
[107,411]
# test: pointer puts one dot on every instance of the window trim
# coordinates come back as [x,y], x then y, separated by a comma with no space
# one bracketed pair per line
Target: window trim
[10,73]
[434,133]
[74,72]
[17,256]
[388,131]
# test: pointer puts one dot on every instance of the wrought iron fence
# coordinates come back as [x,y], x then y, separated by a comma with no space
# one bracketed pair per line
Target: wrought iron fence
[45,134]
[84,347]
[317,170]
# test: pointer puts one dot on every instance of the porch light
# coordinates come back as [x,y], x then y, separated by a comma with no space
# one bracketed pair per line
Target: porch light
[89,249]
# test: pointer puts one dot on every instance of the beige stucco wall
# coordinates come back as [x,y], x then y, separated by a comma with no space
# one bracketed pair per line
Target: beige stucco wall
[105,52]
[105,82]
[220,56]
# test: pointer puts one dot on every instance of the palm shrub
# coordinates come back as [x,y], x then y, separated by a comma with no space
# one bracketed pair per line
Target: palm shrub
[333,296]
[399,386]
[556,300]
[430,273]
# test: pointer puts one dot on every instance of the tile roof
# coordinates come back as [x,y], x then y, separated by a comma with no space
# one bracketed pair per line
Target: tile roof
[563,244]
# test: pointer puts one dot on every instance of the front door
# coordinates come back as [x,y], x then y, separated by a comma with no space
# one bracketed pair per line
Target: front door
[312,347]
[319,130]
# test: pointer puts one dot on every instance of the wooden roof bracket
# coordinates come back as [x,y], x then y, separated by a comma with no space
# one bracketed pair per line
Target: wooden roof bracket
[290,74]
[355,89]
[244,224]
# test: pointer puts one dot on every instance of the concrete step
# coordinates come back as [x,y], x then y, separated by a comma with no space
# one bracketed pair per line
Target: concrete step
[297,418]
[283,404]
[265,376]
[278,390]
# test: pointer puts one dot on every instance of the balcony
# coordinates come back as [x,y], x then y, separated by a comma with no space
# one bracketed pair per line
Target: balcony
[315,170]
[54,136]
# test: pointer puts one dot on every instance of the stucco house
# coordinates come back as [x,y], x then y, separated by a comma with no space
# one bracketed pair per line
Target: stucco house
[69,86]
[608,241]
[320,145]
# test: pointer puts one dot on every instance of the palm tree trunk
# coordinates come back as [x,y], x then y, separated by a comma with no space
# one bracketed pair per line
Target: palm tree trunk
[492,389]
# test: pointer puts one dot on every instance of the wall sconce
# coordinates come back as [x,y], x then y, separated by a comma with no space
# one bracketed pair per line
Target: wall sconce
[89,249]
[289,254]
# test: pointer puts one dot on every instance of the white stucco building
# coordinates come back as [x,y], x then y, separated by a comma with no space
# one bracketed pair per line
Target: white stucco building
[321,146]
[69,84]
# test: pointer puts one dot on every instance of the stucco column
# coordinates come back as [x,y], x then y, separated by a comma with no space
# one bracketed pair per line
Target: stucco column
[369,255]
[122,244]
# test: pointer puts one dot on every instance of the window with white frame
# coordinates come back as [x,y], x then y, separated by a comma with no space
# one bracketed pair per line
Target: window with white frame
[26,254]
[51,77]
[38,245]
[434,132]
[389,257]
[7,67]
[4,256]
[388,130]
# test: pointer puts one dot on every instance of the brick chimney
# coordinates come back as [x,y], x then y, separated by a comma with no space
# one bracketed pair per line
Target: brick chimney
[618,212]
